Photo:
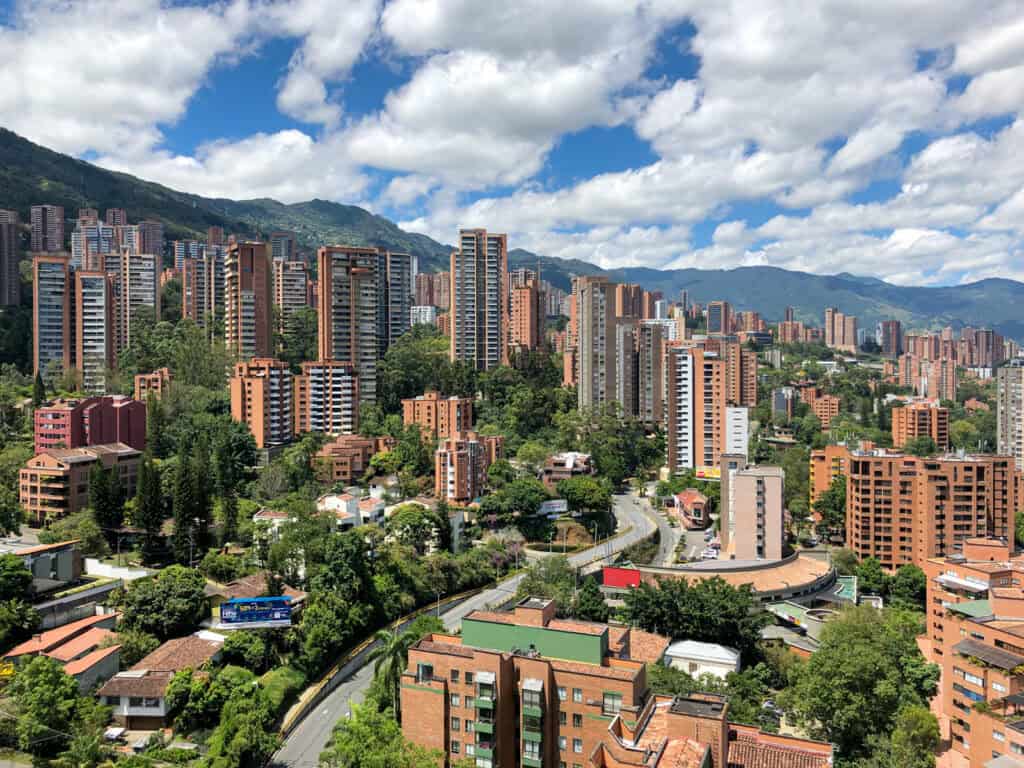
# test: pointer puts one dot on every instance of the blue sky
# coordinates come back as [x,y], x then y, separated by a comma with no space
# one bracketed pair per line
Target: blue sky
[668,133]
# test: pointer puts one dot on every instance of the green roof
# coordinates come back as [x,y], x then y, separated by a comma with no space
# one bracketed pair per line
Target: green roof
[846,588]
[555,643]
[976,609]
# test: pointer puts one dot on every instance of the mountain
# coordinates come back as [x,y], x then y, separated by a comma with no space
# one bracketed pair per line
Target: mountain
[32,174]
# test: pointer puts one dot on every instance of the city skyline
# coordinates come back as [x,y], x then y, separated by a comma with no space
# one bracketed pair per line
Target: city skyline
[668,135]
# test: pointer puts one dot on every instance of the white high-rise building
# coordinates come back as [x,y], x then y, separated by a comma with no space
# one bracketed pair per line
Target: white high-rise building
[1010,410]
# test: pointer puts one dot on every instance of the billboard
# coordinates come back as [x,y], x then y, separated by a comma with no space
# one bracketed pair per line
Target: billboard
[708,473]
[554,508]
[254,612]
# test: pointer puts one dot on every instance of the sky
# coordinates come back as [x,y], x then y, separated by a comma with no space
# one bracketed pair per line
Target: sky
[877,137]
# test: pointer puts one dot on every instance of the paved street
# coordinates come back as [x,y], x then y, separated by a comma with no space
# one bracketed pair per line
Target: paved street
[303,746]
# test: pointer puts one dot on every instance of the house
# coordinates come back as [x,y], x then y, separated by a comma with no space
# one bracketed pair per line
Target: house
[254,585]
[51,565]
[344,506]
[696,659]
[87,648]
[269,522]
[690,508]
[137,697]
[563,466]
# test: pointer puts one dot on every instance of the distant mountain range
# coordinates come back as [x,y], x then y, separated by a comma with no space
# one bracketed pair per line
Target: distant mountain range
[31,174]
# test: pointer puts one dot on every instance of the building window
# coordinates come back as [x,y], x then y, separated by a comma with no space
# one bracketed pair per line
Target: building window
[531,750]
[577,720]
[468,726]
[577,746]
[455,675]
[455,723]
[577,695]
[113,701]
[998,736]
[424,673]
[998,687]
[454,699]
[455,747]
[561,718]
[562,742]
[470,701]
[135,701]
[469,678]
[612,704]
[531,698]
[470,750]
[561,694]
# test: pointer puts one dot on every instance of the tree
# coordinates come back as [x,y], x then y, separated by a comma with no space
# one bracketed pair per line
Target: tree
[149,508]
[871,578]
[708,610]
[920,446]
[389,658]
[963,434]
[38,390]
[170,604]
[372,739]
[228,518]
[135,645]
[500,474]
[10,510]
[105,499]
[249,650]
[553,578]
[866,669]
[532,454]
[590,604]
[915,738]
[15,578]
[156,419]
[18,620]
[203,481]
[909,585]
[585,494]
[184,506]
[831,506]
[844,561]
[47,702]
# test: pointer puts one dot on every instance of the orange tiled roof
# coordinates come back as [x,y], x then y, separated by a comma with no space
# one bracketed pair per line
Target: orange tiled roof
[89,639]
[78,666]
[54,637]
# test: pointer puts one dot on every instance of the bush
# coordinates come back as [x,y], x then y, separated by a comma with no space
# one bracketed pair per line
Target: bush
[280,686]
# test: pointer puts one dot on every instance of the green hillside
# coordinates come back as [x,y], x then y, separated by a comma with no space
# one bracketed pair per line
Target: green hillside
[33,174]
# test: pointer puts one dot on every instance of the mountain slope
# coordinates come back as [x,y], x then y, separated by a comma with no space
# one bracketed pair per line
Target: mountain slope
[32,174]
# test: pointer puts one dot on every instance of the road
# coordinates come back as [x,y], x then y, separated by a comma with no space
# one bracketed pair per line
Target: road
[302,747]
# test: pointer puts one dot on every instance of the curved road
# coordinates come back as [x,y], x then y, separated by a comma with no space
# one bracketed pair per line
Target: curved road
[302,747]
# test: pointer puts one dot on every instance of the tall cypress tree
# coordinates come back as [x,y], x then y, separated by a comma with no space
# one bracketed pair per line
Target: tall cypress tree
[38,390]
[203,482]
[228,517]
[149,508]
[183,506]
[155,425]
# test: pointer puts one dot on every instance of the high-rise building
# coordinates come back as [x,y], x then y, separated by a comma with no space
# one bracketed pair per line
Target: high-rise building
[889,336]
[185,249]
[193,290]
[90,242]
[720,318]
[116,217]
[95,329]
[348,318]
[47,228]
[423,315]
[326,398]
[248,300]
[840,330]
[629,300]
[433,289]
[261,397]
[158,382]
[752,518]
[10,277]
[289,289]
[282,246]
[396,273]
[906,509]
[1010,410]
[701,424]
[136,286]
[626,367]
[595,348]
[921,419]
[215,236]
[479,300]
[127,237]
[527,311]
[53,309]
[216,286]
[151,240]
[650,344]
[438,417]
[460,465]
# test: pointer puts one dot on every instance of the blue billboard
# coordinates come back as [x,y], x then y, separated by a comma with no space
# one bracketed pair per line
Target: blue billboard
[248,612]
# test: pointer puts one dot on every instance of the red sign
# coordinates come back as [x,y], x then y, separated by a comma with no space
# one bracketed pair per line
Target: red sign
[620,577]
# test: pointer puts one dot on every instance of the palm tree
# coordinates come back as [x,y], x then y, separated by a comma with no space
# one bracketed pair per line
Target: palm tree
[390,657]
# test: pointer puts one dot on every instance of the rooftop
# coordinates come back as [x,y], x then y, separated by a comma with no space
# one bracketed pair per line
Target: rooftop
[53,638]
[86,662]
[996,657]
[178,654]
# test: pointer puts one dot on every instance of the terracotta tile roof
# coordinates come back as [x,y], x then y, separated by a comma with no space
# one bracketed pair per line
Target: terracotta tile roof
[271,514]
[683,753]
[78,666]
[178,654]
[40,548]
[446,648]
[137,683]
[579,627]
[754,749]
[52,638]
[86,641]
[646,646]
[561,665]
[253,585]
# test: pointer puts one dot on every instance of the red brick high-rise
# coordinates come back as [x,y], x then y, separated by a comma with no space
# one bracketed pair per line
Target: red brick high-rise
[47,223]
[248,315]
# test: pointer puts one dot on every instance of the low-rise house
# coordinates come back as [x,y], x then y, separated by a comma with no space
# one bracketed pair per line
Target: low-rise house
[51,565]
[269,521]
[344,507]
[346,458]
[563,466]
[696,658]
[87,648]
[690,508]
[137,697]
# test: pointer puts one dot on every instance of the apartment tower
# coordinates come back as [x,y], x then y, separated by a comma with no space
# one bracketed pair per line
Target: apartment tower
[261,397]
[396,273]
[479,318]
[47,223]
[53,309]
[1010,410]
[595,347]
[248,319]
[348,318]
[10,277]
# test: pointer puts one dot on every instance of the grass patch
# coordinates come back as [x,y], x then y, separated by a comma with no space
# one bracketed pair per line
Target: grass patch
[280,686]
